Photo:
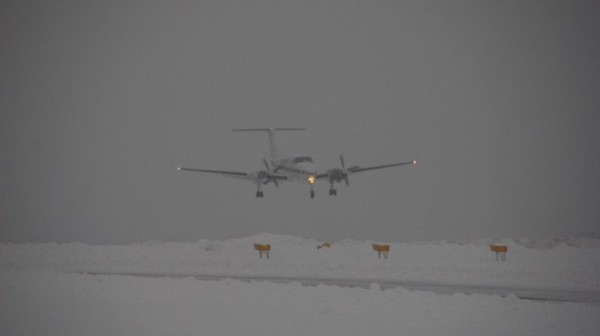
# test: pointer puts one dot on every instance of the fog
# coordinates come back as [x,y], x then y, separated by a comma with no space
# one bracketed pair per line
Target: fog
[498,100]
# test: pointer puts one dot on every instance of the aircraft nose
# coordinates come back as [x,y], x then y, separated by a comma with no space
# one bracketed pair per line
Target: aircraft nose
[309,168]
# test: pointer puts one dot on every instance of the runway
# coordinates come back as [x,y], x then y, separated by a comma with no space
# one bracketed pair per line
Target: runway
[524,293]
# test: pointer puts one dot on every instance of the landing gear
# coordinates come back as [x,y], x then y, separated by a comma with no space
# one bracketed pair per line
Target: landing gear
[259,193]
[332,191]
[311,181]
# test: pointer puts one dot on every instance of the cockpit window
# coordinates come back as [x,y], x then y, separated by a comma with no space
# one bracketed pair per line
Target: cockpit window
[303,159]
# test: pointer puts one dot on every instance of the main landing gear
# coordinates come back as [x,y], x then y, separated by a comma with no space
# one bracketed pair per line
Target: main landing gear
[332,192]
[259,193]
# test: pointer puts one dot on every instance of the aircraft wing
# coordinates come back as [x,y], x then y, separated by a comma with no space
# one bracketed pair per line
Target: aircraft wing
[221,172]
[321,176]
[256,176]
[341,174]
[359,169]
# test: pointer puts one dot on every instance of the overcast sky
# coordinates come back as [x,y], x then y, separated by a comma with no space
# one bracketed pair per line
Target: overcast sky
[499,101]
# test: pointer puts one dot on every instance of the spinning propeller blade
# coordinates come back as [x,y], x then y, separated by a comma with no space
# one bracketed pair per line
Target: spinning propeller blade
[270,173]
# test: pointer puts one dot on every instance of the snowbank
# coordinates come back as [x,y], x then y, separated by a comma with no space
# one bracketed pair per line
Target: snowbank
[550,243]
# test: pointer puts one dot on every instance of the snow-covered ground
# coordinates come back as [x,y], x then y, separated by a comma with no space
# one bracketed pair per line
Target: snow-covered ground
[566,264]
[39,296]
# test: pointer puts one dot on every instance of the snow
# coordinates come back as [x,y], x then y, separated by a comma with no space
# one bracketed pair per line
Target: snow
[561,263]
[40,296]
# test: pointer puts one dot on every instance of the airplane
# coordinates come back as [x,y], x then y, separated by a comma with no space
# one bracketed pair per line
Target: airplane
[284,167]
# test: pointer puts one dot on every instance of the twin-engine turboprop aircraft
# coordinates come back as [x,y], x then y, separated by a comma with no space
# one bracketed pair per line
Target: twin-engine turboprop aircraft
[292,167]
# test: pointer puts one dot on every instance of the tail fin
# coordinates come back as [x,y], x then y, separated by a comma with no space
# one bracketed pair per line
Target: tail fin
[275,151]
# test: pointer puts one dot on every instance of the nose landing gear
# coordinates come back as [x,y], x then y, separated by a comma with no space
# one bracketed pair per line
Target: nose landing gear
[311,180]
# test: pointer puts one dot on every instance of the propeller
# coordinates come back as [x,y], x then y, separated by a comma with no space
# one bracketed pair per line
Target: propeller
[268,175]
[341,174]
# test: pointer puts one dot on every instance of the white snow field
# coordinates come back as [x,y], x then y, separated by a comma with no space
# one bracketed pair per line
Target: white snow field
[39,294]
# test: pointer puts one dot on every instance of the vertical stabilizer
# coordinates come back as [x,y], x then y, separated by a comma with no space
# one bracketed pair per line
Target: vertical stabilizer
[276,152]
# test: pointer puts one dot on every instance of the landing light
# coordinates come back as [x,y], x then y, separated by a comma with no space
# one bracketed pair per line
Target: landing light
[312,179]
[178,168]
[414,162]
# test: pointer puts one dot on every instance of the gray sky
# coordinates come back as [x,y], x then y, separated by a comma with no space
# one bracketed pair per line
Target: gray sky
[498,99]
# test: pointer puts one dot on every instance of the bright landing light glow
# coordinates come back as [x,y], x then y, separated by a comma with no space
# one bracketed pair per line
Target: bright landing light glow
[312,179]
